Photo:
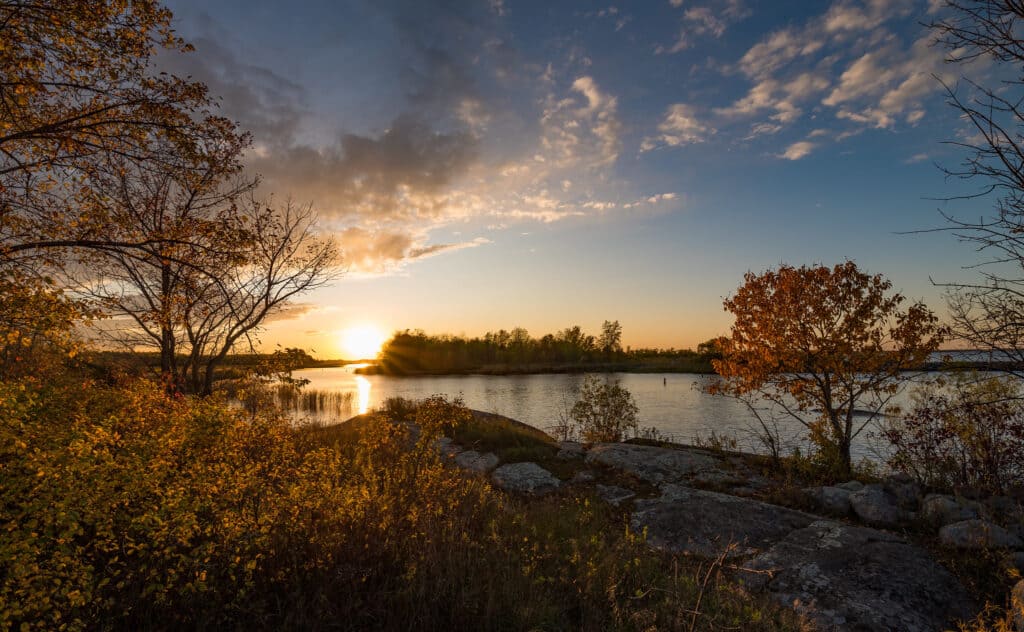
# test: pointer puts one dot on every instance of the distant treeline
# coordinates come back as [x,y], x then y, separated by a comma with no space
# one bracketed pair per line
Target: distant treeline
[414,352]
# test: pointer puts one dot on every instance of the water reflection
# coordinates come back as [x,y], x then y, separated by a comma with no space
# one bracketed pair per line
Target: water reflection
[363,388]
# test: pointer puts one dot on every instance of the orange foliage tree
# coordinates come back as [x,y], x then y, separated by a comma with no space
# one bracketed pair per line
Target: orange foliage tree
[823,344]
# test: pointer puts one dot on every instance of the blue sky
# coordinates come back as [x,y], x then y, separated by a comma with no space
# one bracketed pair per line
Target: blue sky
[497,163]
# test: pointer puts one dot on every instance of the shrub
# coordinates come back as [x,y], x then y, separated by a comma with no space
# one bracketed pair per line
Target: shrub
[604,411]
[969,434]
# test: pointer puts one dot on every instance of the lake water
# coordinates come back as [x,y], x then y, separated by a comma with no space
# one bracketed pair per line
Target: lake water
[673,403]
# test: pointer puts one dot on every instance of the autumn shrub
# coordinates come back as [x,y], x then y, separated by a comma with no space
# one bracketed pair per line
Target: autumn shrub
[969,433]
[604,411]
[123,507]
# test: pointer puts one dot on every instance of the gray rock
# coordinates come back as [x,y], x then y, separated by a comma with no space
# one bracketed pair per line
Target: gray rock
[525,478]
[717,478]
[944,509]
[447,448]
[685,520]
[907,494]
[654,465]
[571,450]
[835,500]
[476,462]
[581,477]
[852,486]
[875,507]
[978,534]
[1003,507]
[614,495]
[856,578]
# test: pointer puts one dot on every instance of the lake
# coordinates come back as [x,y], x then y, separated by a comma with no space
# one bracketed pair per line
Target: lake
[672,403]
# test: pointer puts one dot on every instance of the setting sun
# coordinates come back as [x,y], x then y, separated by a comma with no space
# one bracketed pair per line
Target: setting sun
[362,342]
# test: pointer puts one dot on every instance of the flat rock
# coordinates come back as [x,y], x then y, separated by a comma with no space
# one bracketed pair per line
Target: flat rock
[571,450]
[474,461]
[525,478]
[852,486]
[944,509]
[856,578]
[614,495]
[875,507]
[581,477]
[978,534]
[651,464]
[835,500]
[686,520]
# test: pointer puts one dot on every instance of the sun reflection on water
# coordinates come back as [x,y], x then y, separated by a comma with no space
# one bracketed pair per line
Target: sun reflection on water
[363,386]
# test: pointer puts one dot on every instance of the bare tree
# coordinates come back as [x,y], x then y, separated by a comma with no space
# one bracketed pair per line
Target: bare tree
[989,313]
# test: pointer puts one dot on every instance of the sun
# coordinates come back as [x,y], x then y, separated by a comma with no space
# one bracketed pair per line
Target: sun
[362,342]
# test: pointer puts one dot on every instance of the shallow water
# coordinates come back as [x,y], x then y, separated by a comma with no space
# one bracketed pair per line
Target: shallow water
[672,403]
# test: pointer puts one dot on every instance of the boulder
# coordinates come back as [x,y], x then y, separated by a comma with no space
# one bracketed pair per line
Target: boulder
[651,464]
[699,522]
[525,478]
[944,509]
[846,577]
[447,448]
[978,534]
[835,500]
[571,450]
[852,486]
[581,477]
[907,495]
[476,462]
[614,495]
[875,507]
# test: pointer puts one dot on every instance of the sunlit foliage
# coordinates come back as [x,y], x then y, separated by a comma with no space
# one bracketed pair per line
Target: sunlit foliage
[821,343]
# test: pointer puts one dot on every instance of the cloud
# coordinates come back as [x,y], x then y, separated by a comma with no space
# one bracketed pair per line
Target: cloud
[380,252]
[575,134]
[798,150]
[680,126]
[705,21]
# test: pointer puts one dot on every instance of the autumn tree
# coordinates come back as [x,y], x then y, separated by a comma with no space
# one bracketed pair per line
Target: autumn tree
[823,344]
[77,85]
[988,313]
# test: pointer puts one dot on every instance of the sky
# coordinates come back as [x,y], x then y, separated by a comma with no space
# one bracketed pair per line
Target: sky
[488,164]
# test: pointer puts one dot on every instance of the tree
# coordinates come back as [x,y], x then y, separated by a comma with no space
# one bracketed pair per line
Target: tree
[604,411]
[77,86]
[823,344]
[989,313]
[610,341]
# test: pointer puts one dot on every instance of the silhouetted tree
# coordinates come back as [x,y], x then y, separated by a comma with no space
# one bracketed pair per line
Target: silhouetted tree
[610,340]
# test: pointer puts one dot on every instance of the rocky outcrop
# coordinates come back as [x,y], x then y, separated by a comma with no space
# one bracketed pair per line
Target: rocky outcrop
[875,506]
[651,464]
[685,520]
[525,478]
[474,461]
[978,534]
[834,500]
[944,509]
[614,495]
[857,578]
[571,450]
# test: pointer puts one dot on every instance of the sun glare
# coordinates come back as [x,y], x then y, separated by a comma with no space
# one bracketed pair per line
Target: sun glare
[362,342]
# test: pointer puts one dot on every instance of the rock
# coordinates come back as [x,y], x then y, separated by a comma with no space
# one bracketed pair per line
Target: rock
[853,486]
[978,534]
[447,448]
[1016,613]
[583,476]
[614,495]
[835,500]
[875,507]
[907,494]
[1003,507]
[717,478]
[525,478]
[686,520]
[654,465]
[944,509]
[845,577]
[570,450]
[476,462]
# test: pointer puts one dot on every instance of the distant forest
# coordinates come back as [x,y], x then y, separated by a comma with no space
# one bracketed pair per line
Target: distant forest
[414,352]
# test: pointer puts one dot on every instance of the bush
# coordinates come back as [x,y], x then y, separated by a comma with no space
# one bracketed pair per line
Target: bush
[604,411]
[968,434]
